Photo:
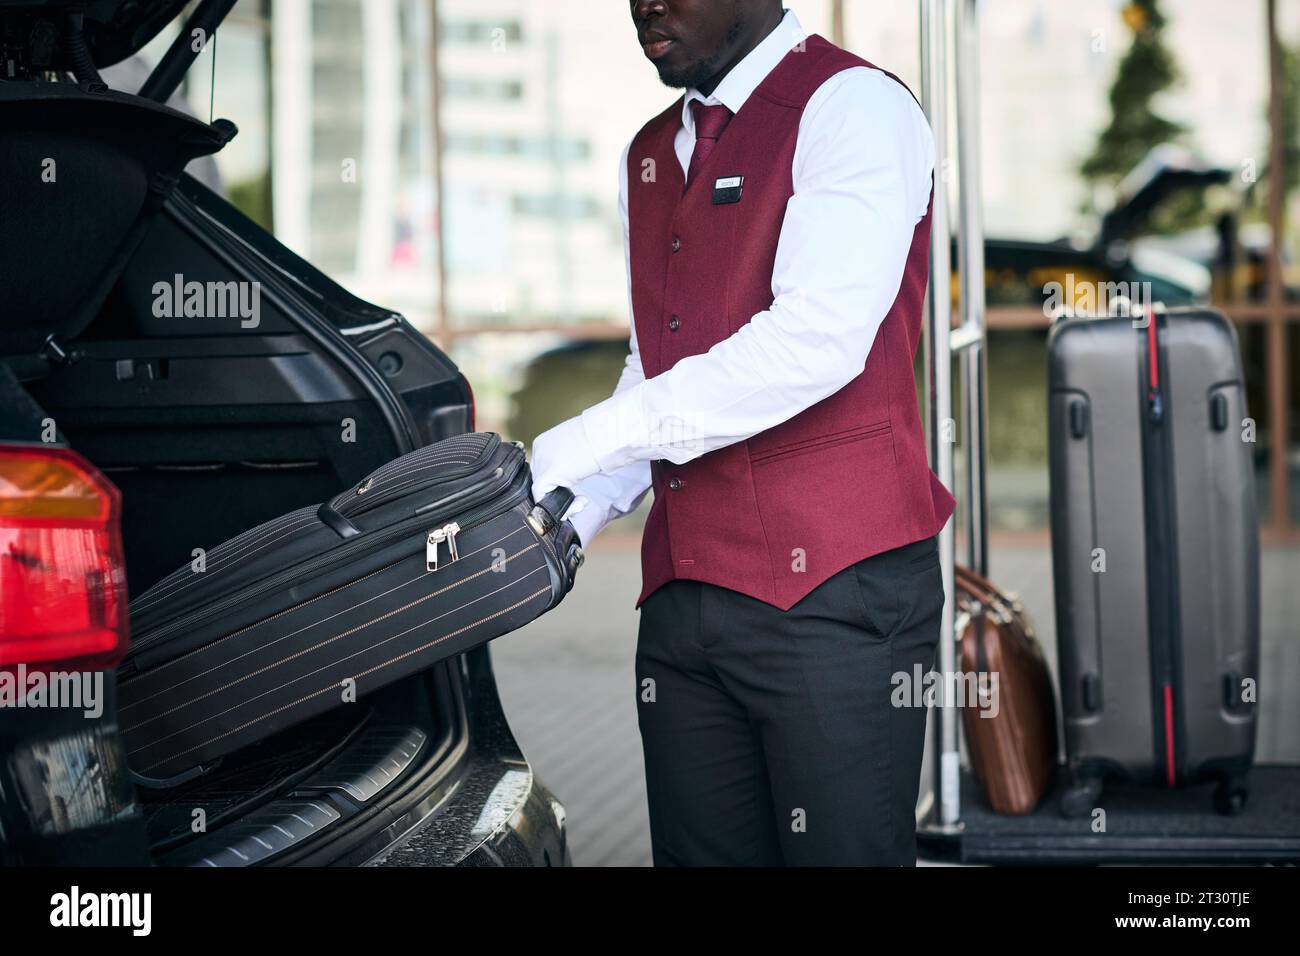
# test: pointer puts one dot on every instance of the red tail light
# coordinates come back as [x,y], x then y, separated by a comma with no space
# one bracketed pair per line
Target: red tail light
[62,575]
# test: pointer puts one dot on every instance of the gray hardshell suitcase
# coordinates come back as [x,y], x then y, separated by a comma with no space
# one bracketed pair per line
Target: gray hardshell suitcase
[1155,553]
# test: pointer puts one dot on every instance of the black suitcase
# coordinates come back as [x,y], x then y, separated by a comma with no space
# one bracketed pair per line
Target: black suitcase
[431,555]
[1155,550]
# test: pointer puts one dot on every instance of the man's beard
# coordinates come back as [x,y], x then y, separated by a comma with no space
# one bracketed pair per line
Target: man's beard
[701,71]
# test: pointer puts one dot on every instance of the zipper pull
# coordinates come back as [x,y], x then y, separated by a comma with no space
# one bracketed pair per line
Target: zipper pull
[1155,407]
[446,533]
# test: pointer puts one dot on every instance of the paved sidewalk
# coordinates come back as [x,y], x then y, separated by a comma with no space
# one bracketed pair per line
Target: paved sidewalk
[569,690]
[568,686]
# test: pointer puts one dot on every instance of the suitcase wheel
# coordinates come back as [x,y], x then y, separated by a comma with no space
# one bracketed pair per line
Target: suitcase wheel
[1080,798]
[1230,798]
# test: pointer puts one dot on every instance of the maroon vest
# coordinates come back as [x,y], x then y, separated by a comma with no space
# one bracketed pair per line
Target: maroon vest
[774,516]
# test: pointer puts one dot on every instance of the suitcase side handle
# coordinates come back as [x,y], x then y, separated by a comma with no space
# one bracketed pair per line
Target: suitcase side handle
[336,522]
[545,517]
[185,776]
[552,508]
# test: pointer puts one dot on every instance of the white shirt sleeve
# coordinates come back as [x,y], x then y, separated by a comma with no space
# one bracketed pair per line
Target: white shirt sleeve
[611,496]
[862,174]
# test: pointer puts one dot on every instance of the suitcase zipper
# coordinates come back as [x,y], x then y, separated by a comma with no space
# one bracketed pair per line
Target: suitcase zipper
[378,496]
[1162,566]
[446,533]
[344,553]
[389,482]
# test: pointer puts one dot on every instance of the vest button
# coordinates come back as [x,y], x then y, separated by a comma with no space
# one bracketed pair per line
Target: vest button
[675,483]
[677,244]
[674,324]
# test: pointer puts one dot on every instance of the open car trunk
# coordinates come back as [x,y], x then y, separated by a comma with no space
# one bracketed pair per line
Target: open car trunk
[219,381]
[86,171]
[209,425]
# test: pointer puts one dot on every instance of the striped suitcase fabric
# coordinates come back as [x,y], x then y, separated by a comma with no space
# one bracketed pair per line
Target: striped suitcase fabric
[433,554]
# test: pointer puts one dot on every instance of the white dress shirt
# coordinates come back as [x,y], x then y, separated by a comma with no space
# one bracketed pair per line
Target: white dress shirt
[862,171]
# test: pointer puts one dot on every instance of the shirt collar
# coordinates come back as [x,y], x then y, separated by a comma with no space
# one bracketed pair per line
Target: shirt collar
[746,75]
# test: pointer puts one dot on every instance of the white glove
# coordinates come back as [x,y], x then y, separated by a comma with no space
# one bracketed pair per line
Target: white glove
[562,457]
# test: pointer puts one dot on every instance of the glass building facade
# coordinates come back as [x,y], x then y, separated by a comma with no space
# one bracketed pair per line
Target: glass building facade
[456,160]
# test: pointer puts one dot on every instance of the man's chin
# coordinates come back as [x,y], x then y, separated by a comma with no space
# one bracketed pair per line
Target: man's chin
[674,79]
[679,77]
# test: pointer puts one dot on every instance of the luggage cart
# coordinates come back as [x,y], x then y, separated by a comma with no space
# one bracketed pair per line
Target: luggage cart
[954,822]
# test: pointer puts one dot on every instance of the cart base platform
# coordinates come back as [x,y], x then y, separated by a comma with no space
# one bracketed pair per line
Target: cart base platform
[1142,825]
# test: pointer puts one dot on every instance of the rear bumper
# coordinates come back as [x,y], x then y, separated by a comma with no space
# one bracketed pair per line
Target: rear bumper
[499,815]
[536,836]
[490,811]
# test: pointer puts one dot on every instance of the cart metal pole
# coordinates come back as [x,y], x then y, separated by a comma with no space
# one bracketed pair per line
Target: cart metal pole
[938,379]
[971,339]
[442,324]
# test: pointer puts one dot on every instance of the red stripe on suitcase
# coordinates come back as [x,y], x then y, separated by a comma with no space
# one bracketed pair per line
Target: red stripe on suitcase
[1153,366]
[1170,776]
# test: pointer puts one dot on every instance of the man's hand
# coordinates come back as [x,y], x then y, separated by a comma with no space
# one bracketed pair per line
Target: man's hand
[562,457]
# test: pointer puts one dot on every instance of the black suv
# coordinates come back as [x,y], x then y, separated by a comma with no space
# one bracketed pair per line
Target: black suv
[170,376]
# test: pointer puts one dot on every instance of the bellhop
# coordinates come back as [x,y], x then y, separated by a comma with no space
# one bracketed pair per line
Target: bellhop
[777,221]
[738,514]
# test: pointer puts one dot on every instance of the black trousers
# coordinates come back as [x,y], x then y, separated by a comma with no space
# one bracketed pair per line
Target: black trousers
[770,737]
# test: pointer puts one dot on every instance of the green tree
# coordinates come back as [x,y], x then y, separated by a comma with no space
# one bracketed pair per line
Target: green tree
[252,197]
[1147,69]
[1290,117]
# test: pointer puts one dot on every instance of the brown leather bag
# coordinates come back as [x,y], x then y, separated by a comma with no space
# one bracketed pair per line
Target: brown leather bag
[1013,753]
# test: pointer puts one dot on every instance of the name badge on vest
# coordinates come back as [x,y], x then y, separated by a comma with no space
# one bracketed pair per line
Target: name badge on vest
[727,190]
